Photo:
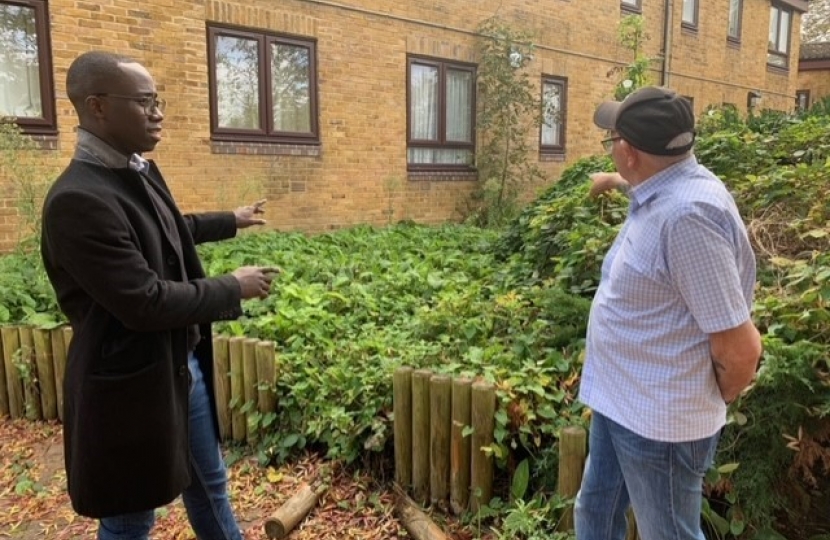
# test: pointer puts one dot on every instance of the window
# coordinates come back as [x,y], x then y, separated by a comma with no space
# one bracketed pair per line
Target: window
[441,114]
[689,19]
[552,134]
[779,37]
[26,88]
[733,32]
[262,87]
[802,100]
[633,6]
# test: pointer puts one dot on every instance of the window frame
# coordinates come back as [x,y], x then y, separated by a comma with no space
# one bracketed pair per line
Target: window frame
[265,132]
[47,123]
[631,6]
[443,65]
[690,25]
[735,38]
[556,149]
[775,52]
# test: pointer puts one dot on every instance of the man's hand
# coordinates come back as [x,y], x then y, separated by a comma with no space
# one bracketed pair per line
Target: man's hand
[245,215]
[606,181]
[255,281]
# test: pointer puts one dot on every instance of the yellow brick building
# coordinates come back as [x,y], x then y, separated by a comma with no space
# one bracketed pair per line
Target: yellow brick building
[370,100]
[813,74]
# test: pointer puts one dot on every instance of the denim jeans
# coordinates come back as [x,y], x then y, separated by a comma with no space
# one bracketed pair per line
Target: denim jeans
[661,481]
[206,498]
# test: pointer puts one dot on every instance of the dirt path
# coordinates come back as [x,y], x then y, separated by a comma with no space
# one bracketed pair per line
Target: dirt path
[34,504]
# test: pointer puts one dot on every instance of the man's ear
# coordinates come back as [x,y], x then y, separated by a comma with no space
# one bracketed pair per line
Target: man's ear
[94,106]
[631,154]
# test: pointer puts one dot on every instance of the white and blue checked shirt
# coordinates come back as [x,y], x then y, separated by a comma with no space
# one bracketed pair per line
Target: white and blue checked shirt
[681,268]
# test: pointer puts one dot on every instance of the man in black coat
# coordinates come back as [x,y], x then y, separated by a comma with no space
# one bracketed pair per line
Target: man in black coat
[139,413]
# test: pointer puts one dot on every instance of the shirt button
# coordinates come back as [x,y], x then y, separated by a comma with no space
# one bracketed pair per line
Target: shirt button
[182,371]
[171,260]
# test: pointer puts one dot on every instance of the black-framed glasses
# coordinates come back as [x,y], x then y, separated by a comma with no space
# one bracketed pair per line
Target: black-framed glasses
[608,143]
[149,103]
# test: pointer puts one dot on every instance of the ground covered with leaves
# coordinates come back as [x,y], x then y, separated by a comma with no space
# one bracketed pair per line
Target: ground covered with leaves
[34,503]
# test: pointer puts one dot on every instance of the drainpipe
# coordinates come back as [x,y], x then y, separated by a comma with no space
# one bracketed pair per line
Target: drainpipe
[667,43]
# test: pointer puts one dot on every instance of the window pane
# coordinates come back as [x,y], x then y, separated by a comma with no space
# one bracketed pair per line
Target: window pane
[630,2]
[552,126]
[784,33]
[19,66]
[773,28]
[237,82]
[428,156]
[734,18]
[423,98]
[291,88]
[689,11]
[459,106]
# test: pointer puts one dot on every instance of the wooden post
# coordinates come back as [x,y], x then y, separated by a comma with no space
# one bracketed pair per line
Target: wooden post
[222,385]
[67,339]
[4,390]
[266,369]
[31,390]
[59,366]
[440,398]
[290,514]
[483,397]
[14,384]
[572,449]
[402,405]
[45,373]
[237,388]
[420,434]
[460,446]
[250,393]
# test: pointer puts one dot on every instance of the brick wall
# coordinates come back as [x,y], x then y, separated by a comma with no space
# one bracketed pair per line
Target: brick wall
[358,174]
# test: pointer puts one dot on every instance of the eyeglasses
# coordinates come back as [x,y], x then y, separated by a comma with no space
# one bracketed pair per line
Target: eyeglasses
[149,103]
[608,143]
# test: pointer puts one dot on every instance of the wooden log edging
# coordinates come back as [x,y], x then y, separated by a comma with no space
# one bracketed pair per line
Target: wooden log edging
[441,425]
[33,367]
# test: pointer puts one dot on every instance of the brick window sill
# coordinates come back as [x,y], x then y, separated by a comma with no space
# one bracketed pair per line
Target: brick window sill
[442,176]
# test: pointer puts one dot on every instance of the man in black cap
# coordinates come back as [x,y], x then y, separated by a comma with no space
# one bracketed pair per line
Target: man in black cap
[670,339]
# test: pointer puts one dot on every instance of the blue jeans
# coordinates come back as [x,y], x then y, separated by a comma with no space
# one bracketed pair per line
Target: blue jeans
[206,498]
[663,483]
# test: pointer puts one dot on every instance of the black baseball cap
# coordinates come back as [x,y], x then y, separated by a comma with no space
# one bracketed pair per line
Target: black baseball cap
[653,119]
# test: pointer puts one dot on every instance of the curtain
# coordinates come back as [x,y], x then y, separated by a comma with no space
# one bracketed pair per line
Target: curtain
[423,110]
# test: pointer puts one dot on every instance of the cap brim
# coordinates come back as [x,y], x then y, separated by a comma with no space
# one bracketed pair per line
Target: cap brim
[605,116]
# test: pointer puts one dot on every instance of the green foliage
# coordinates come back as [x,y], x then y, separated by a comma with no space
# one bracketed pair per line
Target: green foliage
[29,170]
[509,108]
[564,234]
[631,34]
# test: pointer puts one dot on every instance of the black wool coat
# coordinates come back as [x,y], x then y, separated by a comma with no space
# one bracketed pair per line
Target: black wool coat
[119,280]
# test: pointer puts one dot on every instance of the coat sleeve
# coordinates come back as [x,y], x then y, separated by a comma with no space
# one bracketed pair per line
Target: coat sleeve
[211,226]
[99,249]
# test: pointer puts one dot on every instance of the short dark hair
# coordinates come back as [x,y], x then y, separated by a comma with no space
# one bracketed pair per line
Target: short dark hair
[89,71]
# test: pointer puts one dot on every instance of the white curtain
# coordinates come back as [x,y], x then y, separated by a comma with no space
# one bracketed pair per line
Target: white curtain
[424,114]
[734,18]
[19,67]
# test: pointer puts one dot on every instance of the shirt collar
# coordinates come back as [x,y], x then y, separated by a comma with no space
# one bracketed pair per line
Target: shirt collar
[92,149]
[652,186]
